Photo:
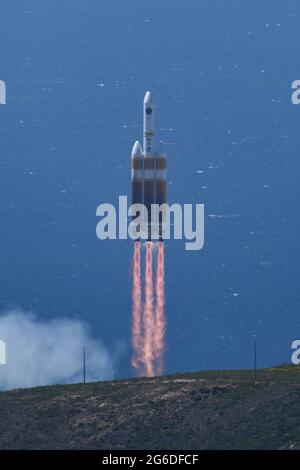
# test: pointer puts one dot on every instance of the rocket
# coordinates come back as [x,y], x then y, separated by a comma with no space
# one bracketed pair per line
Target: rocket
[149,169]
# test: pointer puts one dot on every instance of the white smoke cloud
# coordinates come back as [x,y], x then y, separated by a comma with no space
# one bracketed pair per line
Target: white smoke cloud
[48,352]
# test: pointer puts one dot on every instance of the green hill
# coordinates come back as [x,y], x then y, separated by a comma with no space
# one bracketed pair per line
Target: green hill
[205,410]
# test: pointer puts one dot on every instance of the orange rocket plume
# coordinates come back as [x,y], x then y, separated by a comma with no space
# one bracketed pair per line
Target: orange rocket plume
[137,326]
[160,321]
[149,323]
[148,317]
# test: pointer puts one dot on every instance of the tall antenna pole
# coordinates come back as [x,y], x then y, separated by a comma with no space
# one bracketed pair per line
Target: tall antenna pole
[84,366]
[255,360]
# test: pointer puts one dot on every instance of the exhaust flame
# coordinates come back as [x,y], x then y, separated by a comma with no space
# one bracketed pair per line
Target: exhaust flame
[160,321]
[148,318]
[149,322]
[137,360]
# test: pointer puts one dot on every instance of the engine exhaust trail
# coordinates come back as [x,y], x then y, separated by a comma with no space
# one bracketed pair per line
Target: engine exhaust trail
[160,320]
[137,326]
[148,310]
[149,322]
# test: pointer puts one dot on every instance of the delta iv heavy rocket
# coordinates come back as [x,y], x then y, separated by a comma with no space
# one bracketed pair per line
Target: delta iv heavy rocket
[149,169]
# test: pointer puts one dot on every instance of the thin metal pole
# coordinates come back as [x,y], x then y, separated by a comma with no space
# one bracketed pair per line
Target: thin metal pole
[84,366]
[255,360]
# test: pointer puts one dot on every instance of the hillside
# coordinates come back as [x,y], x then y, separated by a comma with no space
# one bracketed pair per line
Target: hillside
[207,410]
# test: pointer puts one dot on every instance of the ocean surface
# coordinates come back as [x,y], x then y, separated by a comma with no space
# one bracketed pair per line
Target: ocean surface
[221,74]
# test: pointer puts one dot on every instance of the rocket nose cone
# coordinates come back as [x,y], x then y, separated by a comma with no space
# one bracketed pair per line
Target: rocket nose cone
[148,97]
[136,150]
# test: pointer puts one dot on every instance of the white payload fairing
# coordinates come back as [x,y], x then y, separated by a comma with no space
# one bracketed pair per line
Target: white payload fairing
[149,168]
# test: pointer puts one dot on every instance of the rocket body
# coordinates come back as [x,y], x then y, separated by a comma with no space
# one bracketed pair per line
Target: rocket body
[137,165]
[149,125]
[149,171]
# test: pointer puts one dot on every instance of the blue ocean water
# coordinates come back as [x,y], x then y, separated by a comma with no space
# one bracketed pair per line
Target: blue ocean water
[221,72]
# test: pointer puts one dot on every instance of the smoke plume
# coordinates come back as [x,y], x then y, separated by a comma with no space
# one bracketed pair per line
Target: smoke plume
[49,352]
